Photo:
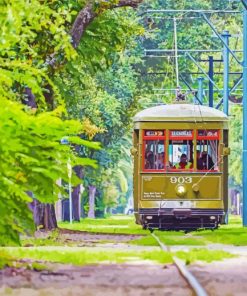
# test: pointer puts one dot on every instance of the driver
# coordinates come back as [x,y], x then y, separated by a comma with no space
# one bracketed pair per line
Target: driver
[184,163]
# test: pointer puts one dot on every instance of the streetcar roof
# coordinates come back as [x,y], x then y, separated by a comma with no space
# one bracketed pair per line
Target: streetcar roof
[180,112]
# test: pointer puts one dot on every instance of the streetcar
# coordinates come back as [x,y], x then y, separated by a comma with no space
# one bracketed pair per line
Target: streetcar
[180,167]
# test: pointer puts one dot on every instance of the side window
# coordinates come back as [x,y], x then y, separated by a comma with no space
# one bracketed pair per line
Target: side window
[154,150]
[181,149]
[207,150]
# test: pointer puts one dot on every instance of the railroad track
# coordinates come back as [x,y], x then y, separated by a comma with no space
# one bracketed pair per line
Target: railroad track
[185,273]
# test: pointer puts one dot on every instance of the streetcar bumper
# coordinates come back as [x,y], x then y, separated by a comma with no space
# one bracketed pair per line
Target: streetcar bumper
[180,219]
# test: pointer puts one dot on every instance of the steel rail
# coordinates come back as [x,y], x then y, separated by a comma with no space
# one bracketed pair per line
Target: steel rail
[186,274]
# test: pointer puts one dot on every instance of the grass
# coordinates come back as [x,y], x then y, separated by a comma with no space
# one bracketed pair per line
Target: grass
[203,255]
[8,259]
[232,234]
[5,259]
[57,249]
[35,242]
[79,256]
[83,256]
[169,238]
[144,241]
[118,224]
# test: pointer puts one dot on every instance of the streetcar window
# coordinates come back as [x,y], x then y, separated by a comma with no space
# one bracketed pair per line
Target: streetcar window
[207,150]
[181,149]
[181,154]
[207,155]
[154,154]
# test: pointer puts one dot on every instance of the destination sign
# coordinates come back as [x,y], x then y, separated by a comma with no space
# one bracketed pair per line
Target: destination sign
[208,133]
[154,133]
[181,134]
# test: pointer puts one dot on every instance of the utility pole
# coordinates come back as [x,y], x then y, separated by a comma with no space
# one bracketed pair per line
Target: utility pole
[225,37]
[211,73]
[245,114]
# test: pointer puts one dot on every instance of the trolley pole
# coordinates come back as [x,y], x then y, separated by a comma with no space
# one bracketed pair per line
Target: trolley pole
[225,35]
[245,117]
[200,88]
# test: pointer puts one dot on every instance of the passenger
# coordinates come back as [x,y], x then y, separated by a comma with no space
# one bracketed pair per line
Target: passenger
[160,161]
[199,163]
[184,163]
[149,160]
[208,163]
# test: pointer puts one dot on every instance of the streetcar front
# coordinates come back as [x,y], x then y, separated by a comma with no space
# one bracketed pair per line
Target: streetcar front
[180,167]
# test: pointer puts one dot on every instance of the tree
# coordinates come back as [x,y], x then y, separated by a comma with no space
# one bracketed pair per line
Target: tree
[39,38]
[103,92]
[32,159]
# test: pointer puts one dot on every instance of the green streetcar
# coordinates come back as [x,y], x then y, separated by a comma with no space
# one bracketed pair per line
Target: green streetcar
[180,167]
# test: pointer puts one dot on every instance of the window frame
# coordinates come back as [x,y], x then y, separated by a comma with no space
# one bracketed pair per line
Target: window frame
[182,138]
[153,138]
[209,138]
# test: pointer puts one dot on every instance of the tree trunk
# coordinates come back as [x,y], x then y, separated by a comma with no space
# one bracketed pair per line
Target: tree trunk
[44,215]
[76,194]
[92,191]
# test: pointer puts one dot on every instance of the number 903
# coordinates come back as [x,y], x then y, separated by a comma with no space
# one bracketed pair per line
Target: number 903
[181,180]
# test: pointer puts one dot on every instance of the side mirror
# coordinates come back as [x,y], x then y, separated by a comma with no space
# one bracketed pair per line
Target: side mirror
[226,151]
[133,151]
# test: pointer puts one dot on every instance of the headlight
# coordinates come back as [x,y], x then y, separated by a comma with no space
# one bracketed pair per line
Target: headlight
[181,190]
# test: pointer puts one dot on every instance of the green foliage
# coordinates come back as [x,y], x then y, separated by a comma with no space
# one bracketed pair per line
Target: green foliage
[192,33]
[32,159]
[32,34]
[100,86]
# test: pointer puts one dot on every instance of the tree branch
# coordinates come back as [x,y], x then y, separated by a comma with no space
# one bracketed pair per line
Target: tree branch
[131,3]
[87,15]
[83,19]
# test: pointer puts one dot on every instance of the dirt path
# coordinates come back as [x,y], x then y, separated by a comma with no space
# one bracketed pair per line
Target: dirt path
[223,278]
[68,237]
[112,279]
[140,278]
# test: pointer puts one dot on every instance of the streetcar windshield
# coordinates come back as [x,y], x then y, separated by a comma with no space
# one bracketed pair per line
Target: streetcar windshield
[181,149]
[180,154]
[187,150]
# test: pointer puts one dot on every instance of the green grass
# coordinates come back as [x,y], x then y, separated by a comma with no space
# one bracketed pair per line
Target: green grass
[170,238]
[203,255]
[79,256]
[118,224]
[6,258]
[232,234]
[144,241]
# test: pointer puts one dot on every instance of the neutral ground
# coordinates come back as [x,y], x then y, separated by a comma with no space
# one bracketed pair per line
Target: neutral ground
[147,278]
